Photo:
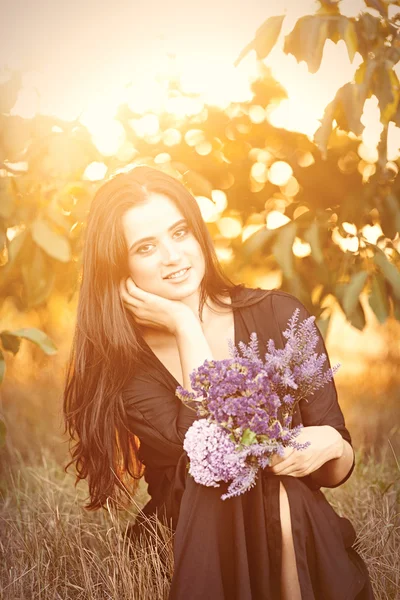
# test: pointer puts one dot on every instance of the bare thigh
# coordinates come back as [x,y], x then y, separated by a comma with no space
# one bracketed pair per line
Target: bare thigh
[289,577]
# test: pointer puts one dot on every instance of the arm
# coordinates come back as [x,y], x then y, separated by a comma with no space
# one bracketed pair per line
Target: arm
[322,408]
[156,415]
[192,346]
[337,469]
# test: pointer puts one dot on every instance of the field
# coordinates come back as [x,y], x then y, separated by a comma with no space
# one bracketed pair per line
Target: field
[52,549]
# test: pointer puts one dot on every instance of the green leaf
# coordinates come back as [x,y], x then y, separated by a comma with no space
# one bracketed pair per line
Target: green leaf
[347,107]
[198,184]
[378,298]
[352,292]
[322,135]
[385,86]
[10,342]
[378,5]
[267,35]
[357,318]
[389,271]
[248,437]
[17,245]
[54,213]
[258,241]
[2,367]
[323,326]
[6,197]
[55,245]
[350,100]
[311,235]
[38,278]
[3,433]
[396,308]
[390,215]
[307,39]
[347,32]
[369,28]
[282,248]
[38,337]
[265,39]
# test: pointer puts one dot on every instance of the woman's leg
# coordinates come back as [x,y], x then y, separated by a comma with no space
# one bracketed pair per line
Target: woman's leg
[289,578]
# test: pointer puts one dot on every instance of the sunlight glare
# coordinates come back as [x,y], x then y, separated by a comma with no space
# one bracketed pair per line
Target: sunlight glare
[256,114]
[276,219]
[146,95]
[225,254]
[194,137]
[220,199]
[349,244]
[250,229]
[280,172]
[291,188]
[300,248]
[372,233]
[259,172]
[110,137]
[230,227]
[27,103]
[96,171]
[219,83]
[203,148]
[126,152]
[147,125]
[208,210]
[171,137]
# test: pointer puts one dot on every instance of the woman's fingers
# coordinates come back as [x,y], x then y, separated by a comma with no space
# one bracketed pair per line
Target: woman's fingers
[134,291]
[127,298]
[276,459]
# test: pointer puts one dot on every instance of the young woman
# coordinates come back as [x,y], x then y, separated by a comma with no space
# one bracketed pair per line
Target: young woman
[154,304]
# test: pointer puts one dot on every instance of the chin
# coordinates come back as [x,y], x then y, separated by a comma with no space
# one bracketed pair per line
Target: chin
[181,292]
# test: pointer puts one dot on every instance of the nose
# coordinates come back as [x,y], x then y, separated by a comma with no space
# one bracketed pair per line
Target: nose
[170,253]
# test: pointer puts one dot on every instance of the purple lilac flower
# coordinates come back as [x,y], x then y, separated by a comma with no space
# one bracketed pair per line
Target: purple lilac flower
[212,454]
[246,404]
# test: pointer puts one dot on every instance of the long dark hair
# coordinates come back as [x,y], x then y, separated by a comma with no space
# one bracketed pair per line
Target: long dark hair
[106,345]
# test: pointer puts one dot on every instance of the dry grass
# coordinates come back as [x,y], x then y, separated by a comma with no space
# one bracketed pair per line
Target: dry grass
[53,549]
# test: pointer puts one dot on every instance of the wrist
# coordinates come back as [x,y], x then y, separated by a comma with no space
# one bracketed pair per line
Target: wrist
[185,323]
[337,447]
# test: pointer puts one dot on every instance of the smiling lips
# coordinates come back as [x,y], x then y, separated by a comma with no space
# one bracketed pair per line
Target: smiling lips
[177,274]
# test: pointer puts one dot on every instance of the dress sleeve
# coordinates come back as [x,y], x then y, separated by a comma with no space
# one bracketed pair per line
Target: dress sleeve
[322,408]
[157,417]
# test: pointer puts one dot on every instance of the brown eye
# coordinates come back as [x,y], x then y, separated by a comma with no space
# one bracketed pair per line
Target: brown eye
[182,231]
[144,249]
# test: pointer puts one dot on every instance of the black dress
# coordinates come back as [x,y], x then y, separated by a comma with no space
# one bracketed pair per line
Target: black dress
[231,549]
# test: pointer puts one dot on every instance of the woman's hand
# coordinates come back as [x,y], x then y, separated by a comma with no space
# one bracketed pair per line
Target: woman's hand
[325,443]
[151,310]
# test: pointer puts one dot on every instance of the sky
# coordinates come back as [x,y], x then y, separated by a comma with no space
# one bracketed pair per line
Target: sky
[79,56]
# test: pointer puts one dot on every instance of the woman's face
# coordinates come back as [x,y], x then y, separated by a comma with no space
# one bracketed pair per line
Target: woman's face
[159,244]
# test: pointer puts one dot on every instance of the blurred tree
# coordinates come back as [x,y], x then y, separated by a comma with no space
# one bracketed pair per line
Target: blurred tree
[321,200]
[10,341]
[372,267]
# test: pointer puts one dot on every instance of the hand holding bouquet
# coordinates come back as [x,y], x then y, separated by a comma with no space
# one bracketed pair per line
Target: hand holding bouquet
[246,406]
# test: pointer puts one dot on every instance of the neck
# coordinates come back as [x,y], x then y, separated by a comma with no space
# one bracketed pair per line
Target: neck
[193,302]
[210,312]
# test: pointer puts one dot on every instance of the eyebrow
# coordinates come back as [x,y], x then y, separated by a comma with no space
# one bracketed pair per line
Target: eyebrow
[151,238]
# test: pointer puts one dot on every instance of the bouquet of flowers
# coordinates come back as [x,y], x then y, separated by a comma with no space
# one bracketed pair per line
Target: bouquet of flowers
[246,405]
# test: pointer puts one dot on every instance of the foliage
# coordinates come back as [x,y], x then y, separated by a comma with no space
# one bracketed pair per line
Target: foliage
[376,37]
[11,342]
[330,199]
